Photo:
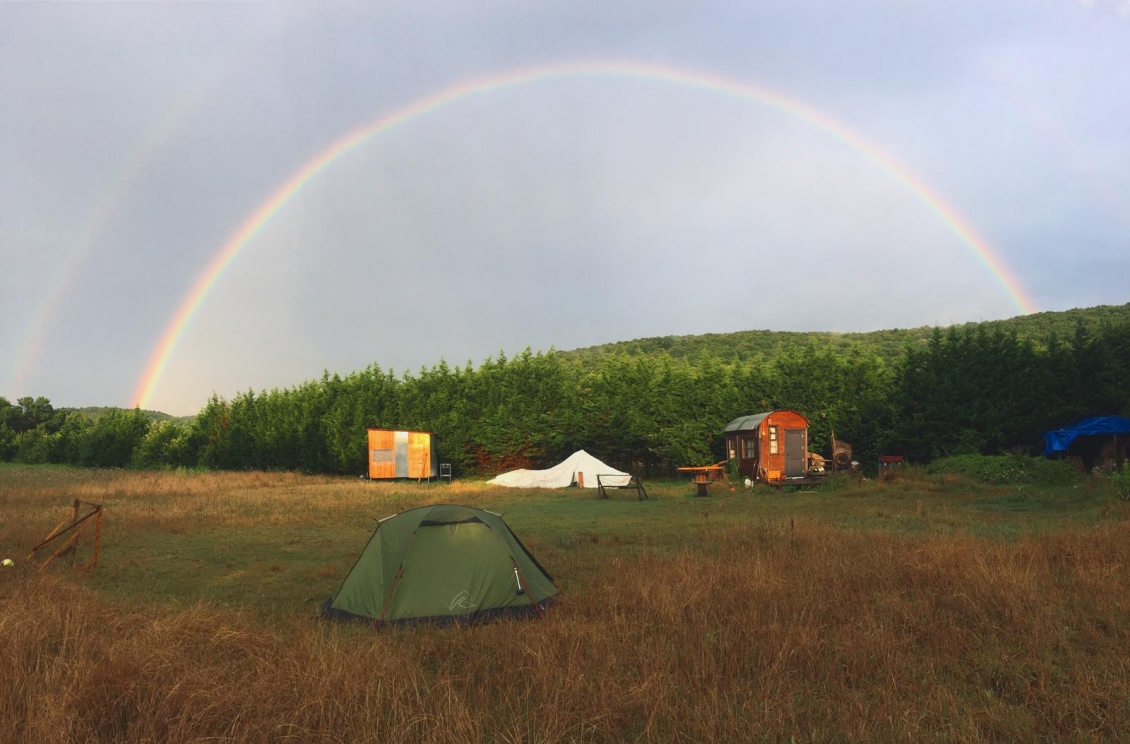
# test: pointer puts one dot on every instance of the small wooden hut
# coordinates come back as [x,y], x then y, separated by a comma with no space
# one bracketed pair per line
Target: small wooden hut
[401,454]
[770,447]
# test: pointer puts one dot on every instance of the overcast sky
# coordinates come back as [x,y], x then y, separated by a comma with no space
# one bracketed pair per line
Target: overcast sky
[136,138]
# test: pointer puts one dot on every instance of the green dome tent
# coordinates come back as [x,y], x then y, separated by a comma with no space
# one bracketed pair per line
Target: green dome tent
[442,563]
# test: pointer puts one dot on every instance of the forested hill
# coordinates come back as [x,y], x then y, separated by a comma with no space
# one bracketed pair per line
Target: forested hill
[887,344]
[96,412]
[982,388]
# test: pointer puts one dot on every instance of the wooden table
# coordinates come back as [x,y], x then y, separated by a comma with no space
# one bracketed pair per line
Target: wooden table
[703,475]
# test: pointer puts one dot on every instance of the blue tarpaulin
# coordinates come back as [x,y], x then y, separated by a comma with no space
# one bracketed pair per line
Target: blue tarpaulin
[1061,439]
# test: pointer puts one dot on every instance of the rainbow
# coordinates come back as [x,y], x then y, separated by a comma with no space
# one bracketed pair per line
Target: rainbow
[491,84]
[30,348]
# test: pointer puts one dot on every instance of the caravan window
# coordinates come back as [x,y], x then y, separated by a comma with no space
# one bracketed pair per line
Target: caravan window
[773,440]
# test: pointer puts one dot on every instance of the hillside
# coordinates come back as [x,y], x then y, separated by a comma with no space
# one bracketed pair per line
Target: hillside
[96,412]
[887,344]
[957,396]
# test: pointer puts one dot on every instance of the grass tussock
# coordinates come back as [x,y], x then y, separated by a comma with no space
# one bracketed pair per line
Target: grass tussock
[774,631]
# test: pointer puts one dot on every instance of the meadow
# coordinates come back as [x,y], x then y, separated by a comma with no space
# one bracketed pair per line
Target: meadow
[930,608]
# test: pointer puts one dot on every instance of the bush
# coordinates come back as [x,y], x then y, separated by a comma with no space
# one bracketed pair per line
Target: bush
[1008,469]
[160,447]
[32,447]
[7,444]
[66,444]
[110,442]
[1121,480]
[732,472]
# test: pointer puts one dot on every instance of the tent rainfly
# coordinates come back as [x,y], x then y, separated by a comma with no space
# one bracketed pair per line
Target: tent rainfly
[442,563]
[579,468]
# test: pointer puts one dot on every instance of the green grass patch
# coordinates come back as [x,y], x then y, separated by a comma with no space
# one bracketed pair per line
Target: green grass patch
[1008,469]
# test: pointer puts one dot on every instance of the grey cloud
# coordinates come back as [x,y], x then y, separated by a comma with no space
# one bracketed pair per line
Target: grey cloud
[567,213]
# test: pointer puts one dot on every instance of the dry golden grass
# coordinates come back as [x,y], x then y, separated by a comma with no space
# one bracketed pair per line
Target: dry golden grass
[756,630]
[148,500]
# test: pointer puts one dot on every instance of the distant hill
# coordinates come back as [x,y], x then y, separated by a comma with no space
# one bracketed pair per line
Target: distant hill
[888,344]
[96,412]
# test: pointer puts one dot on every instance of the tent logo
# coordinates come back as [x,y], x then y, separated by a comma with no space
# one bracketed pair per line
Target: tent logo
[462,601]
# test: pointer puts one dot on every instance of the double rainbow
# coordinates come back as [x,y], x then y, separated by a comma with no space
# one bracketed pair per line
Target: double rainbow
[231,248]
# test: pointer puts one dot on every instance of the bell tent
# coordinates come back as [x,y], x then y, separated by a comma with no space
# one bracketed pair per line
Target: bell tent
[580,468]
[442,563]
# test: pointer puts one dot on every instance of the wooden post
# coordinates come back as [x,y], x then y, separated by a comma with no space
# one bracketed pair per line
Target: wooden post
[97,535]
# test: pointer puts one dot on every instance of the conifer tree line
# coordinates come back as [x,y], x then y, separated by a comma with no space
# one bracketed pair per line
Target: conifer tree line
[968,390]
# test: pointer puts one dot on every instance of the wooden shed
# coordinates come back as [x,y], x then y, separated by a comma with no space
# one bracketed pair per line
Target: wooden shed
[770,447]
[401,454]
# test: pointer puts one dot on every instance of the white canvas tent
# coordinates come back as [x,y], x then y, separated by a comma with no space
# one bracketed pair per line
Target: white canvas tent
[564,474]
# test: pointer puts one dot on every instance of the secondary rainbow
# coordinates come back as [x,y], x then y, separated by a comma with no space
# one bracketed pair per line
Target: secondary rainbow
[28,351]
[231,248]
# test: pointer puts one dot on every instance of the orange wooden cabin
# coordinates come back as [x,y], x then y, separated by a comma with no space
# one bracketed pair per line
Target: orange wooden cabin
[401,454]
[770,447]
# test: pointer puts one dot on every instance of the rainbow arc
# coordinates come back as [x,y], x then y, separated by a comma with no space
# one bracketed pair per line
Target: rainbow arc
[481,86]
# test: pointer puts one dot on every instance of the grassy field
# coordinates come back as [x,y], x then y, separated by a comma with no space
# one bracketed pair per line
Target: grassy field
[932,608]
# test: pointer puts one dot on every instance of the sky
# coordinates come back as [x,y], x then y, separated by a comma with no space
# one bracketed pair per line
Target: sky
[214,197]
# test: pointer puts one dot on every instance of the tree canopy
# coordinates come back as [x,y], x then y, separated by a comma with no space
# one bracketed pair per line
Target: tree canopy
[981,388]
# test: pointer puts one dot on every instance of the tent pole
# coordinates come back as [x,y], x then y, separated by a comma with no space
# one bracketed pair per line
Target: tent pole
[529,591]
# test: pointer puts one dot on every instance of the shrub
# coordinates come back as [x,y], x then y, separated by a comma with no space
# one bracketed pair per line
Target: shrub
[159,447]
[111,441]
[732,472]
[32,447]
[66,444]
[828,486]
[1121,480]
[7,443]
[1007,469]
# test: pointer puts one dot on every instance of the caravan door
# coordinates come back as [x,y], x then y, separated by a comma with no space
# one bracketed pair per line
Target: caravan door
[794,453]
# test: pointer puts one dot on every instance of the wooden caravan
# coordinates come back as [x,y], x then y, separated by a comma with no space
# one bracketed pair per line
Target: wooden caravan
[401,454]
[770,447]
